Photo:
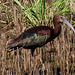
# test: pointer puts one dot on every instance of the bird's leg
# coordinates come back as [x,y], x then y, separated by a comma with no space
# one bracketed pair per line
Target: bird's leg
[32,54]
[20,50]
[32,59]
[32,51]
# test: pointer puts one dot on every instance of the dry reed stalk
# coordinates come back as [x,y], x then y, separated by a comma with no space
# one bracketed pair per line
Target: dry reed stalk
[68,49]
[18,62]
[73,42]
[25,62]
[16,68]
[3,53]
[16,21]
[7,27]
[63,47]
[13,62]
[73,54]
[3,63]
[45,62]
[21,20]
[61,50]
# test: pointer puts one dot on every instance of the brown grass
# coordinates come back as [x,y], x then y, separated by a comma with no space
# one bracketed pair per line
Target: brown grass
[55,58]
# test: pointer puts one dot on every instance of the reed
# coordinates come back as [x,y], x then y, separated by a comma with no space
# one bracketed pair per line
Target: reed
[56,57]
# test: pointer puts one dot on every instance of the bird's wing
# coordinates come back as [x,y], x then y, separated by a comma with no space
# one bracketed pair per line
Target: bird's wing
[32,40]
[37,39]
[34,36]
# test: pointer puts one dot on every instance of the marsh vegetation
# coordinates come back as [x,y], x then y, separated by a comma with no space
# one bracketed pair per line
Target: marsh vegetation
[56,57]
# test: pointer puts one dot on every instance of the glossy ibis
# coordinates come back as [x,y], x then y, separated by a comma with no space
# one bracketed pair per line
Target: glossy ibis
[39,35]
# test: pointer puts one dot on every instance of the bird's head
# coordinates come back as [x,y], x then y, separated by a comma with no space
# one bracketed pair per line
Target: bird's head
[61,18]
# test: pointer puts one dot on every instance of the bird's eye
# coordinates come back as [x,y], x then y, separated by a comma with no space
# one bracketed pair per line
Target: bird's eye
[61,18]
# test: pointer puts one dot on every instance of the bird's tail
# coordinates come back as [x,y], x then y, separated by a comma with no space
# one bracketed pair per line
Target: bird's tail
[10,50]
[13,44]
[10,46]
[18,42]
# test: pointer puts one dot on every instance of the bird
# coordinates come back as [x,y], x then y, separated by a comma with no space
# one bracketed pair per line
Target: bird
[38,35]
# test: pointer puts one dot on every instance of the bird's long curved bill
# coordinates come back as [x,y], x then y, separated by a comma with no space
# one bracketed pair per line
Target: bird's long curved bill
[65,21]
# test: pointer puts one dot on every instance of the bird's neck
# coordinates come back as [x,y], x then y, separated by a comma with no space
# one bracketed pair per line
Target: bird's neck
[57,28]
